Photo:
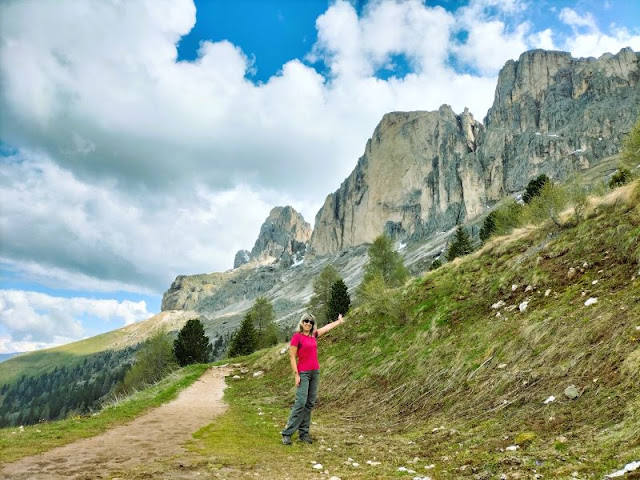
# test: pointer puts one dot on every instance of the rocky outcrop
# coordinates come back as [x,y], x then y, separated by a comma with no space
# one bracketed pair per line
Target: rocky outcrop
[424,172]
[187,291]
[408,183]
[223,298]
[242,258]
[556,115]
[283,235]
[283,239]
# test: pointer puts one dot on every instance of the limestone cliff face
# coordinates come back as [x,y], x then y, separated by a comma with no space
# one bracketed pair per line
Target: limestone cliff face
[555,114]
[426,171]
[284,236]
[187,291]
[408,182]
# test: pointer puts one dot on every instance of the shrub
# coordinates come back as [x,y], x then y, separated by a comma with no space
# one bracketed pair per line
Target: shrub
[152,363]
[192,345]
[621,177]
[509,215]
[631,145]
[577,195]
[547,204]
[382,301]
[437,263]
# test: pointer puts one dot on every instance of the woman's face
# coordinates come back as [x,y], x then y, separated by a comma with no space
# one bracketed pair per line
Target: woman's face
[307,326]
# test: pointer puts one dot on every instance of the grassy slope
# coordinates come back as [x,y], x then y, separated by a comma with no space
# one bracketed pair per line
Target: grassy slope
[444,359]
[41,361]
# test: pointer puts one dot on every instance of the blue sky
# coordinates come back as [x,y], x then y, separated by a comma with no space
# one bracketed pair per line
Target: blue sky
[269,32]
[142,140]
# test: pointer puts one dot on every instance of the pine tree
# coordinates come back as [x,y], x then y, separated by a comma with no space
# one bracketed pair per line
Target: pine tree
[319,303]
[270,336]
[244,341]
[340,300]
[461,244]
[192,345]
[534,187]
[263,318]
[489,226]
[262,315]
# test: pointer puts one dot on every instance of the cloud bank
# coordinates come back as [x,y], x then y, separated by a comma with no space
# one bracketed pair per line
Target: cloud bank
[36,320]
[127,167]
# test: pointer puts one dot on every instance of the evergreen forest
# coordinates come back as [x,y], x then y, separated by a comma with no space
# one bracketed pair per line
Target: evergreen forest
[64,391]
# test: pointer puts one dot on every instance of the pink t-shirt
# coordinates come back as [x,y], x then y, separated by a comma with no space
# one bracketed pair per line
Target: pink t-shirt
[307,351]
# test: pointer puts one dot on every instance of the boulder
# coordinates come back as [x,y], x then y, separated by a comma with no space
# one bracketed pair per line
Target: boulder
[571,392]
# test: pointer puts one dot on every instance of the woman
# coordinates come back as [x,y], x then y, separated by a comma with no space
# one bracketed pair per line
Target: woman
[304,346]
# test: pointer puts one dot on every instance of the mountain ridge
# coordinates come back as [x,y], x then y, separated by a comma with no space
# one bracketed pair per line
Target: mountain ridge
[422,173]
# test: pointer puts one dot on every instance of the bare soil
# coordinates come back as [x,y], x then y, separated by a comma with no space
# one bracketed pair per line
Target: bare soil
[158,435]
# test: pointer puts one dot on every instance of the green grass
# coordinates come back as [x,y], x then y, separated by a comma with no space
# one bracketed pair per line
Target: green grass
[42,437]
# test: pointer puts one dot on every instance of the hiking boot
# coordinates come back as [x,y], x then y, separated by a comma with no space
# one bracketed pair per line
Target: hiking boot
[306,439]
[286,439]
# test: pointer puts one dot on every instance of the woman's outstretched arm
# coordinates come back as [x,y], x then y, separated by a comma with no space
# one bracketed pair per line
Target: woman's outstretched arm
[330,326]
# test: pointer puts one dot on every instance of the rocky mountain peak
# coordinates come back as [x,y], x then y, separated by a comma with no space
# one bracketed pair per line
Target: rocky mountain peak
[424,172]
[283,237]
[406,183]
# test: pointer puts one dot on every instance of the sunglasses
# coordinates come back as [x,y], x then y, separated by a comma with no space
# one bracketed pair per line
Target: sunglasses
[308,321]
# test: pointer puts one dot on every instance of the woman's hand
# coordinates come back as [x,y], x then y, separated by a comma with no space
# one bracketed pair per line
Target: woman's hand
[297,380]
[329,326]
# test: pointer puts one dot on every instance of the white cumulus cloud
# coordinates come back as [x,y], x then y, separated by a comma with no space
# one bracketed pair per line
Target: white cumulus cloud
[132,167]
[32,319]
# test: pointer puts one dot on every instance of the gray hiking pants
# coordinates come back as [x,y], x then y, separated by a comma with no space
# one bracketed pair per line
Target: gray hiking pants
[306,395]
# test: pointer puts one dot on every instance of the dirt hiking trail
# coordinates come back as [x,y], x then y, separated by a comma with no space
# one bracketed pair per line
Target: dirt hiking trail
[157,435]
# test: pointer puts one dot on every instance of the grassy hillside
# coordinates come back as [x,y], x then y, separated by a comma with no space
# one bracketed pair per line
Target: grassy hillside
[437,380]
[41,361]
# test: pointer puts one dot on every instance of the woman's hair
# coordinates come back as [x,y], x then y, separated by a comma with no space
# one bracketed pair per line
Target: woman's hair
[307,316]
